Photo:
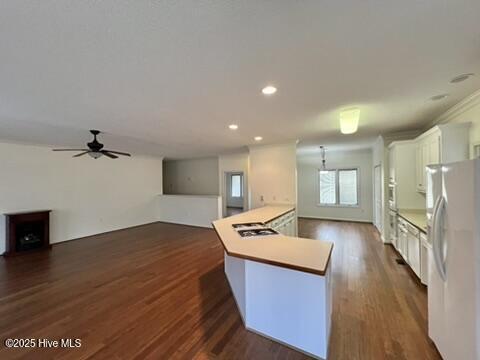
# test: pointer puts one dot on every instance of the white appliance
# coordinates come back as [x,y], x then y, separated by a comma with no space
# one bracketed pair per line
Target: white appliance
[392,219]
[453,202]
[392,196]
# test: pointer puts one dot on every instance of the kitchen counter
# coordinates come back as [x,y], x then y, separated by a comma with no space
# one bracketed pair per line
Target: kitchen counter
[417,218]
[307,255]
[281,284]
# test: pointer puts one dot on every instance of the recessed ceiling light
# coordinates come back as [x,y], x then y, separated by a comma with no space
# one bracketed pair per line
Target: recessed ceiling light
[269,90]
[349,120]
[258,138]
[461,78]
[439,97]
[233,127]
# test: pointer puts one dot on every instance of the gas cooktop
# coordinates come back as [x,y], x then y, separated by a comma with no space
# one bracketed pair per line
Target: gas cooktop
[247,225]
[257,232]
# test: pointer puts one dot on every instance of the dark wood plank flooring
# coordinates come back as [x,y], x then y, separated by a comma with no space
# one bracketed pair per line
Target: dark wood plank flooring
[159,292]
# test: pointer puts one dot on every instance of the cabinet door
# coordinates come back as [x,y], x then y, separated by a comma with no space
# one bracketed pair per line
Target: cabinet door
[419,166]
[414,253]
[425,162]
[402,246]
[434,150]
[424,258]
[391,164]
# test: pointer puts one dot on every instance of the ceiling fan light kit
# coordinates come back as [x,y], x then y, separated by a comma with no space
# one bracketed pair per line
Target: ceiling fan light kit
[95,149]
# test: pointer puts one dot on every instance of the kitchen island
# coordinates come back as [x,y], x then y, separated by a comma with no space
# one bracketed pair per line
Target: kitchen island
[282,284]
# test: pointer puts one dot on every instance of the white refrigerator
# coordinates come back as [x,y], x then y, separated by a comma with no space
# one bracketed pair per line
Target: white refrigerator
[453,214]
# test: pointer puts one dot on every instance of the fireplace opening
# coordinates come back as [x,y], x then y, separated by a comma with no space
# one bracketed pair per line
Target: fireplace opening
[26,231]
[29,235]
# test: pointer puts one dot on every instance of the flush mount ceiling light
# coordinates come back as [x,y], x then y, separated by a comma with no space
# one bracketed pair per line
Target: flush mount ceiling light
[439,97]
[258,138]
[233,127]
[269,90]
[349,120]
[461,78]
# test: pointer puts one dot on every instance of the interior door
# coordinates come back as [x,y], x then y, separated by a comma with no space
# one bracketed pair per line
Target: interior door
[378,208]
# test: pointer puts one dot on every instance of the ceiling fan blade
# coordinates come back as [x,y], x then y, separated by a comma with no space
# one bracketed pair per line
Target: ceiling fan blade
[111,156]
[81,154]
[118,152]
[70,150]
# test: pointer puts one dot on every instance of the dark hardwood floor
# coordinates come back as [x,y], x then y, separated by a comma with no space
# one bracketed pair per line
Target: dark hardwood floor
[159,292]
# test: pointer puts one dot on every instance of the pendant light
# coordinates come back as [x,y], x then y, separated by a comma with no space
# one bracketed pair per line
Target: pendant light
[322,154]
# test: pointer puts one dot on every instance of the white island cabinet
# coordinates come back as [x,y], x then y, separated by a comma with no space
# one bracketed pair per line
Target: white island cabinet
[285,224]
[281,284]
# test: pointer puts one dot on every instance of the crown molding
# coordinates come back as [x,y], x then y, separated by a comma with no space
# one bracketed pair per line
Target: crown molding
[457,109]
[401,135]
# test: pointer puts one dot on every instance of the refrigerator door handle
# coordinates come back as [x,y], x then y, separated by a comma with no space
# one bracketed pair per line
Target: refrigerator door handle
[437,240]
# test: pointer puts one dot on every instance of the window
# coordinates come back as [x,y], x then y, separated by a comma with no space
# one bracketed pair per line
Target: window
[328,188]
[236,188]
[338,187]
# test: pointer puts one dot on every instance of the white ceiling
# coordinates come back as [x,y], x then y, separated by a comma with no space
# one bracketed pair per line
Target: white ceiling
[167,77]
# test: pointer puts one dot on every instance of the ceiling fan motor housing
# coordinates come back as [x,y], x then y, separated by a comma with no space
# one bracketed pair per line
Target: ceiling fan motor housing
[95,145]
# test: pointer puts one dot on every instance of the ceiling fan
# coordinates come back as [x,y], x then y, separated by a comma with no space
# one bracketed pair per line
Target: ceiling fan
[95,149]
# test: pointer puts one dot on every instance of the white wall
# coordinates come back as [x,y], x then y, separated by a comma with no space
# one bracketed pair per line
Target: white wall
[233,163]
[196,210]
[87,196]
[308,165]
[468,110]
[272,174]
[191,176]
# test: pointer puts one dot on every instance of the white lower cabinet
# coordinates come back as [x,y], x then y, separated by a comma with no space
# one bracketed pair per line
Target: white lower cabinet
[285,224]
[424,258]
[413,244]
[402,238]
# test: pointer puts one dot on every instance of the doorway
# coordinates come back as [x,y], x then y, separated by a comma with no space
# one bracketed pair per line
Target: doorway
[235,193]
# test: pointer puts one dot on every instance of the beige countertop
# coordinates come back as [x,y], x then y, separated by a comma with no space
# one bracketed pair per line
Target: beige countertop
[312,256]
[417,218]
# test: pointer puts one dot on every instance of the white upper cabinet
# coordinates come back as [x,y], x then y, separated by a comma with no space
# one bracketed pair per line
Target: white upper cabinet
[441,144]
[402,169]
[391,164]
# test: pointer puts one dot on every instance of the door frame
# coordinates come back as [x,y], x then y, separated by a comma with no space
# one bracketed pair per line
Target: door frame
[378,222]
[225,190]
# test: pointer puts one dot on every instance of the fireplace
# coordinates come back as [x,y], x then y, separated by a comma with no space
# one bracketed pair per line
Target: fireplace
[27,231]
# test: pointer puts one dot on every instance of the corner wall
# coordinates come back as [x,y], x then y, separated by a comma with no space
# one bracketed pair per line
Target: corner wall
[87,196]
[272,175]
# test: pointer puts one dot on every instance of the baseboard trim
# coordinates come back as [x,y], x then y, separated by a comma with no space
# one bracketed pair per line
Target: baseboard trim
[334,219]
